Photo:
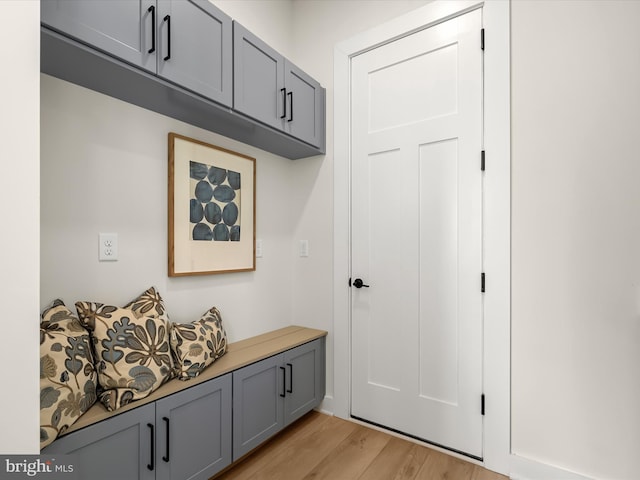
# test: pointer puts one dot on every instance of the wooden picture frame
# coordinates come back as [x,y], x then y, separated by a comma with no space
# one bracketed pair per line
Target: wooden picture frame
[211,206]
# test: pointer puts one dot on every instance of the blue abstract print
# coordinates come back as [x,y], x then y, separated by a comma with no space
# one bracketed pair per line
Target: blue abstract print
[214,206]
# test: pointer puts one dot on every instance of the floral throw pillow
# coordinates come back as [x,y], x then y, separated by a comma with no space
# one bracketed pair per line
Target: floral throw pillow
[133,357]
[198,344]
[67,375]
[149,304]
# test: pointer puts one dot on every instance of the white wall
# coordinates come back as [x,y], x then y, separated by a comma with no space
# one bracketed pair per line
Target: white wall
[104,169]
[576,235]
[19,210]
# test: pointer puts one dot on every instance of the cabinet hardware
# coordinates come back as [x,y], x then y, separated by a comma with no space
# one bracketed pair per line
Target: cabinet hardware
[290,106]
[290,378]
[284,380]
[167,19]
[152,10]
[166,456]
[151,466]
[284,102]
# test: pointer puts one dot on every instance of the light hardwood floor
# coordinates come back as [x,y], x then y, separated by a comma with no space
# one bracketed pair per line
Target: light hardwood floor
[322,447]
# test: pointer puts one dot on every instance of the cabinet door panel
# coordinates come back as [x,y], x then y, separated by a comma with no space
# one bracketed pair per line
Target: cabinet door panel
[305,111]
[258,78]
[305,379]
[257,404]
[118,448]
[196,37]
[197,424]
[122,29]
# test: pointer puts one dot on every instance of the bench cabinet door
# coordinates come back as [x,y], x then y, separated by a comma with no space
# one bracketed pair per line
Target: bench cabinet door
[304,380]
[258,403]
[121,447]
[193,429]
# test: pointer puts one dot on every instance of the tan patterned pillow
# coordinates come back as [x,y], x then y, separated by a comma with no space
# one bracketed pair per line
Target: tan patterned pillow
[149,304]
[67,374]
[132,353]
[198,344]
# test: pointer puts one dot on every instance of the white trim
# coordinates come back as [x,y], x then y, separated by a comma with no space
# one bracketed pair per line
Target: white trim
[326,406]
[497,210]
[524,469]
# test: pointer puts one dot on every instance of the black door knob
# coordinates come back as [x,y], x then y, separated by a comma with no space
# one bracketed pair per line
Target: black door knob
[358,283]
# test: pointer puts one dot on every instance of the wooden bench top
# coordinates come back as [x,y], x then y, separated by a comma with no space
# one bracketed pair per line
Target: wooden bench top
[239,354]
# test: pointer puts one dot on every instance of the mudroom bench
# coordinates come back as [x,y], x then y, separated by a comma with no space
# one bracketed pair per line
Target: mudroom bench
[194,429]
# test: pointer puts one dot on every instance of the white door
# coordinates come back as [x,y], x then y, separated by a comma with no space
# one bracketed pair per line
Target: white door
[417,235]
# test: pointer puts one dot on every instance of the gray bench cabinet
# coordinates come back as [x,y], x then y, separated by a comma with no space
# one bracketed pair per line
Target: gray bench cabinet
[118,448]
[270,394]
[185,436]
[187,42]
[272,90]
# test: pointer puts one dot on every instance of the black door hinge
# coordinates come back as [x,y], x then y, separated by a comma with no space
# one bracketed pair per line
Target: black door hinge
[482,39]
[349,281]
[482,282]
[482,404]
[482,163]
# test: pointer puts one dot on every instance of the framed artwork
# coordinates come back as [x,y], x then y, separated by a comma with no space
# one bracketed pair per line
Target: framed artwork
[212,209]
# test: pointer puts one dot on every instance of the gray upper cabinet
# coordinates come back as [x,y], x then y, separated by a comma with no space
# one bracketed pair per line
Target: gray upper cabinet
[188,42]
[194,430]
[194,45]
[272,90]
[120,448]
[305,101]
[258,89]
[188,60]
[123,29]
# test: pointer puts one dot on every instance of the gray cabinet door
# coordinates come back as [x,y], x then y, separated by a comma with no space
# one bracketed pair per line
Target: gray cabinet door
[122,29]
[193,429]
[195,47]
[305,379]
[121,447]
[305,106]
[258,397]
[258,78]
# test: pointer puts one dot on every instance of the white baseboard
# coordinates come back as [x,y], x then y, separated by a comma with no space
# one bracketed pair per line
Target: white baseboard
[524,469]
[326,406]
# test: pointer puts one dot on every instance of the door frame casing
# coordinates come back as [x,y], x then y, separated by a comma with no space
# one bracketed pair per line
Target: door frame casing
[496,212]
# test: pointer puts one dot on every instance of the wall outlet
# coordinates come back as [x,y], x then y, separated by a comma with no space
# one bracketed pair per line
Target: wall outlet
[108,247]
[258,248]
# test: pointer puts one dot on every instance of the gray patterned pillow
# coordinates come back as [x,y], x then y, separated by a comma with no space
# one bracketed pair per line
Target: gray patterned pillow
[67,374]
[198,344]
[133,357]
